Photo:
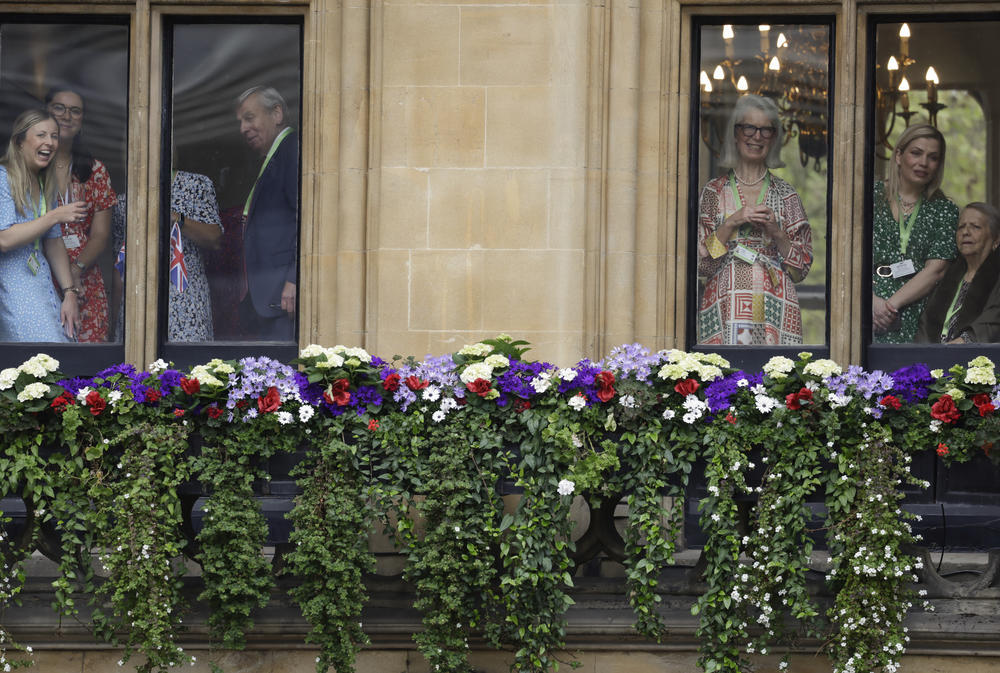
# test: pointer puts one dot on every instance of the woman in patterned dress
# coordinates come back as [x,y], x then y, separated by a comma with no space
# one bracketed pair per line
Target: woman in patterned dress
[80,177]
[913,234]
[31,249]
[754,241]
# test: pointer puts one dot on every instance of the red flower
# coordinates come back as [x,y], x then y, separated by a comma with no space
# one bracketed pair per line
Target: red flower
[373,424]
[731,418]
[521,405]
[480,387]
[792,401]
[890,402]
[241,404]
[686,387]
[605,385]
[414,383]
[805,395]
[178,412]
[945,410]
[60,403]
[984,404]
[391,382]
[942,450]
[269,402]
[153,395]
[213,412]
[96,402]
[338,393]
[190,386]
[461,401]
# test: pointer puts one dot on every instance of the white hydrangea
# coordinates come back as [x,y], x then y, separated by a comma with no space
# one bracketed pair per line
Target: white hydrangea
[205,377]
[577,402]
[982,361]
[476,350]
[312,351]
[980,375]
[672,372]
[566,487]
[477,370]
[496,361]
[45,362]
[354,352]
[778,367]
[714,359]
[822,368]
[33,391]
[8,377]
[708,372]
[33,367]
[219,366]
[330,360]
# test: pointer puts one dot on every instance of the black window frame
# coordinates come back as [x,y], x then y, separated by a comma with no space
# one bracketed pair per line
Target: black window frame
[749,357]
[74,358]
[194,353]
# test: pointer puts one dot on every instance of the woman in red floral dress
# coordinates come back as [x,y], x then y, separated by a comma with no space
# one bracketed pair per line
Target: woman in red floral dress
[80,177]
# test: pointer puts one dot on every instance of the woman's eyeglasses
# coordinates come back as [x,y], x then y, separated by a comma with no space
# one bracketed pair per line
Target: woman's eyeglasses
[60,109]
[749,131]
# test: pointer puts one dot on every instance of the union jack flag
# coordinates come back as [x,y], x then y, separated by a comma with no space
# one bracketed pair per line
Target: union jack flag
[178,270]
[120,262]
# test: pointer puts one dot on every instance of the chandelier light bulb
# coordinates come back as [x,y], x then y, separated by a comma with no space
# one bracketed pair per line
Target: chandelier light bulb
[727,32]
[774,64]
[932,75]
[904,31]
[703,79]
[763,27]
[782,40]
[707,86]
[904,85]
[718,73]
[741,84]
[893,64]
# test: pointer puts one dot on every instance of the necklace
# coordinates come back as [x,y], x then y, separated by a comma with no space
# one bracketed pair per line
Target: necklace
[755,182]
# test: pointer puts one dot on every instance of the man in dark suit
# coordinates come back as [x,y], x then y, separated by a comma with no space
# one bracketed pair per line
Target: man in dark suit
[270,218]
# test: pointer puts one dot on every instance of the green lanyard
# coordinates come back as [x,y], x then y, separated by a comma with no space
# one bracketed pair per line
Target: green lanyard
[267,160]
[906,225]
[34,264]
[952,310]
[736,190]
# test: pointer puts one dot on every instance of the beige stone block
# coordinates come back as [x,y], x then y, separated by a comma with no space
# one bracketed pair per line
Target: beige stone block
[391,268]
[570,45]
[350,225]
[433,126]
[392,340]
[420,45]
[53,660]
[567,209]
[402,208]
[506,45]
[621,208]
[449,341]
[646,662]
[563,348]
[446,290]
[534,126]
[533,290]
[384,661]
[488,208]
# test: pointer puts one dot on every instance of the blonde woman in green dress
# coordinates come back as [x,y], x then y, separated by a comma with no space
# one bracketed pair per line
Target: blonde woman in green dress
[913,236]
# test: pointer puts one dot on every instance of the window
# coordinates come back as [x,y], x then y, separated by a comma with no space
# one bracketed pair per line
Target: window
[231,214]
[760,192]
[74,71]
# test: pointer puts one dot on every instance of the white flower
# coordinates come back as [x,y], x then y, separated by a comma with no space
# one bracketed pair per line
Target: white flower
[542,382]
[577,402]
[837,401]
[673,372]
[708,372]
[205,377]
[285,418]
[982,375]
[689,417]
[360,353]
[577,442]
[306,411]
[822,368]
[496,360]
[8,377]
[668,414]
[114,396]
[32,391]
[742,383]
[935,426]
[477,370]
[312,351]
[438,415]
[627,401]
[156,366]
[566,487]
[477,350]
[567,374]
[778,367]
[33,367]
[765,403]
[81,396]
[330,360]
[448,403]
[431,393]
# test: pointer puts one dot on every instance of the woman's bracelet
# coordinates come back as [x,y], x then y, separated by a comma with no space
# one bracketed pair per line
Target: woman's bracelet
[72,288]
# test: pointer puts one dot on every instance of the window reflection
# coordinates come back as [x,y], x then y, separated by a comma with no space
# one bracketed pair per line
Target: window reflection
[232,235]
[75,76]
[934,267]
[762,168]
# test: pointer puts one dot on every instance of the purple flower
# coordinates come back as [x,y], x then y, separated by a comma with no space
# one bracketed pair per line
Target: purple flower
[912,383]
[631,361]
[516,380]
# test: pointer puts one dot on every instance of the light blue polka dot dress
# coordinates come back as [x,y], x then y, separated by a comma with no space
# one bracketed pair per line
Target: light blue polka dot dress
[29,306]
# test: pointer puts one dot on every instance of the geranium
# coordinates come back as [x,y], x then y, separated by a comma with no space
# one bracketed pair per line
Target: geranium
[96,403]
[60,403]
[577,402]
[605,385]
[338,392]
[686,387]
[795,401]
[373,424]
[890,402]
[190,386]
[945,410]
[391,382]
[213,411]
[480,387]
[415,383]
[153,396]
[984,404]
[942,450]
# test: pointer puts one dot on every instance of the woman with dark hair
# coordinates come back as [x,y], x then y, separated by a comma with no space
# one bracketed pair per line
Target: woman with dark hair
[913,233]
[963,308]
[78,176]
[754,241]
[31,248]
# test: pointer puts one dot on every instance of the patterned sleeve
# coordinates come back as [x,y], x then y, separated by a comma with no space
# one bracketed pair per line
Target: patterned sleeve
[944,220]
[796,225]
[194,197]
[709,219]
[98,189]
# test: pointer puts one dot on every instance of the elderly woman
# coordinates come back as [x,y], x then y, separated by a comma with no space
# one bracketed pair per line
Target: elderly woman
[754,241]
[913,234]
[962,308]
[79,176]
[31,248]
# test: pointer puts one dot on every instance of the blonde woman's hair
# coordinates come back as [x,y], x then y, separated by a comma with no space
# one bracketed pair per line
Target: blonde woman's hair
[916,132]
[18,175]
[746,102]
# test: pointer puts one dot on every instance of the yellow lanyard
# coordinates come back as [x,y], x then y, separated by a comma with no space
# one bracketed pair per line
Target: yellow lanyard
[267,160]
[952,310]
[906,225]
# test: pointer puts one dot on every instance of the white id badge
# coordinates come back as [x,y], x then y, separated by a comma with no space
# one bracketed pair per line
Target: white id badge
[33,264]
[71,241]
[902,269]
[745,254]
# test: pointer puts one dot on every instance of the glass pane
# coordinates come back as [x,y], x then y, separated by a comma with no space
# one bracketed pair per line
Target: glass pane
[75,78]
[762,171]
[934,269]
[232,234]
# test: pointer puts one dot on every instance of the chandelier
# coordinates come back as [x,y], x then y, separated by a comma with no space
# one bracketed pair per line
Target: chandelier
[893,89]
[791,68]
